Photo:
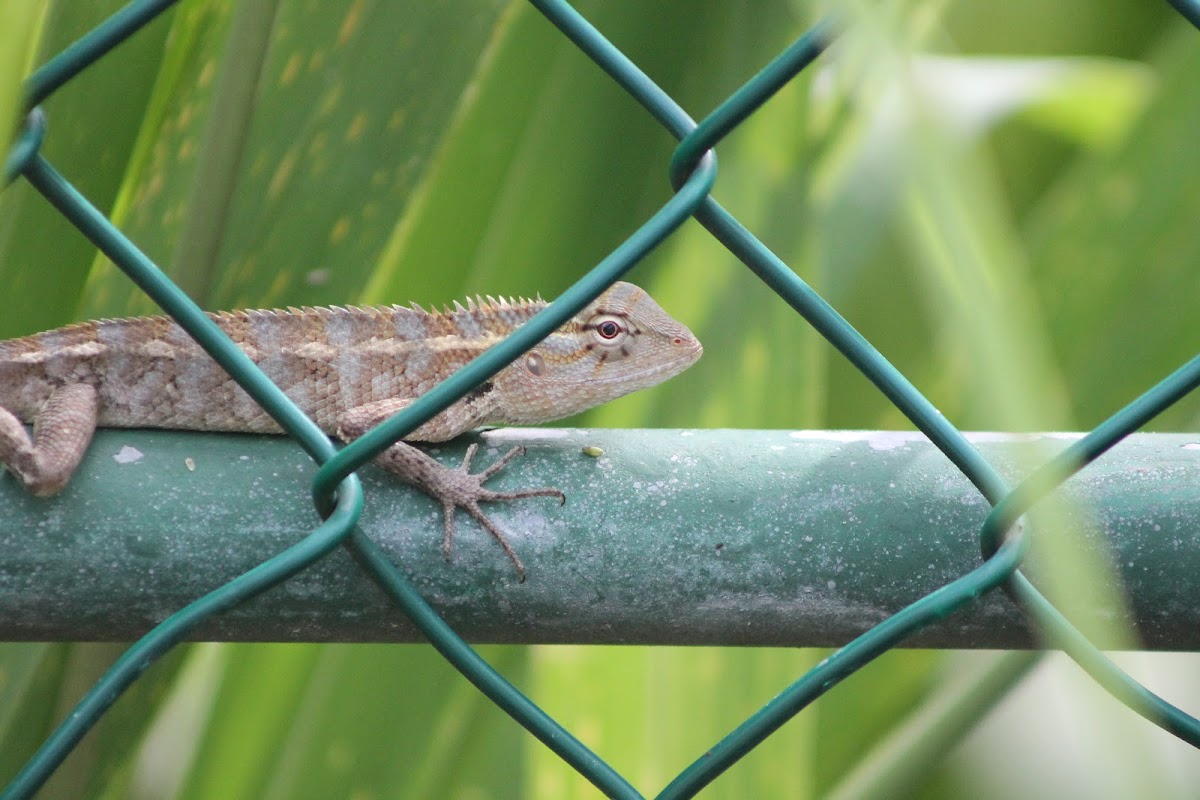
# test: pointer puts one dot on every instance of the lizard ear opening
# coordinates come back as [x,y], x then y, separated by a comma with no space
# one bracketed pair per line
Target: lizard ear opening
[535,364]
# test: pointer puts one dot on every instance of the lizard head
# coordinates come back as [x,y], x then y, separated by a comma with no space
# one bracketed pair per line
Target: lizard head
[620,343]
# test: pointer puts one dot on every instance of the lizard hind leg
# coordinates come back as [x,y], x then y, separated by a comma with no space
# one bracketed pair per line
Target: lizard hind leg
[63,429]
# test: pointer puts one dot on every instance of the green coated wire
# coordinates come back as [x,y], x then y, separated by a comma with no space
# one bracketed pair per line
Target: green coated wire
[617,65]
[673,214]
[142,271]
[841,664]
[572,301]
[993,573]
[701,139]
[90,48]
[465,659]
[494,685]
[1102,438]
[948,439]
[898,389]
[174,629]
[825,319]
[748,99]
[1190,9]
[138,658]
[1117,682]
[33,132]
[568,304]
[1051,622]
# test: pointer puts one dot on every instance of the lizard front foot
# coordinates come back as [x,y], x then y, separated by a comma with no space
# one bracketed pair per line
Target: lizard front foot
[467,491]
[457,488]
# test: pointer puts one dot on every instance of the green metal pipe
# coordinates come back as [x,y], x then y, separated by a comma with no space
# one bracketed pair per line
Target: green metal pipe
[667,537]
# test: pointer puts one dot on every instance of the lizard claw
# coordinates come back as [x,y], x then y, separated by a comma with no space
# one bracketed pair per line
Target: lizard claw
[465,490]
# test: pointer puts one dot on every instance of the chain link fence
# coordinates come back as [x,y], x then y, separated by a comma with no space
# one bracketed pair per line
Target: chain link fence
[337,494]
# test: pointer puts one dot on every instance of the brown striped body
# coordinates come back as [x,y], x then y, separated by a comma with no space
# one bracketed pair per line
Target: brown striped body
[150,373]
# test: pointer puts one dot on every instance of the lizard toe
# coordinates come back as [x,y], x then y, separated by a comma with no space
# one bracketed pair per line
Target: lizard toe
[485,521]
[447,530]
[490,496]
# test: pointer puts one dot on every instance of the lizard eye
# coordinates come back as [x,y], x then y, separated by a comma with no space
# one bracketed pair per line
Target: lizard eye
[608,328]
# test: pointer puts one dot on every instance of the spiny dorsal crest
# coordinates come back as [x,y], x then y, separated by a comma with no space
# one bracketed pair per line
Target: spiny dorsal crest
[482,315]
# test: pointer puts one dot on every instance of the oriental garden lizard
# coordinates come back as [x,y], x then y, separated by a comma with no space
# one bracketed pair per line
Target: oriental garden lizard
[348,368]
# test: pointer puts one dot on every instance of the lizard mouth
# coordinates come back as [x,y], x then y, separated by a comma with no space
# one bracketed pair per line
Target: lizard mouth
[689,353]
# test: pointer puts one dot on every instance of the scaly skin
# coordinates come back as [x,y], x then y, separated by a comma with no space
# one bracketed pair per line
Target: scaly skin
[347,368]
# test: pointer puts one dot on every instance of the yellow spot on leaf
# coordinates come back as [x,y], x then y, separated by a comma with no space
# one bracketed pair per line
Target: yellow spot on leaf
[283,173]
[329,100]
[172,215]
[206,73]
[396,119]
[281,281]
[155,187]
[357,126]
[259,165]
[340,229]
[290,69]
[350,23]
